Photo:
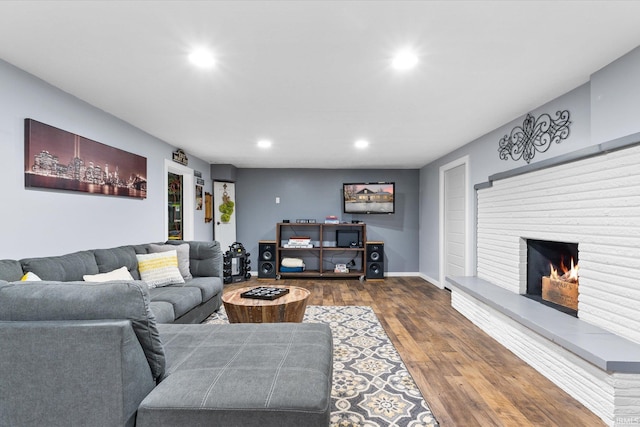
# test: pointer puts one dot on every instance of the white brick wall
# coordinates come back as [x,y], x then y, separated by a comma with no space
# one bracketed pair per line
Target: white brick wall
[594,202]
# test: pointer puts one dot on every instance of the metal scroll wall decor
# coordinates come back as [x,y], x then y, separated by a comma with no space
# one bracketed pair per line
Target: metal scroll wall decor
[535,135]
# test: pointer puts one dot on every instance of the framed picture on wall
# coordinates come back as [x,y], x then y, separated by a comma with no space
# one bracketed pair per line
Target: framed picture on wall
[60,160]
[198,197]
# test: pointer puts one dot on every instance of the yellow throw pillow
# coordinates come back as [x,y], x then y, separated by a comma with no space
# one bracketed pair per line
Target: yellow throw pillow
[30,277]
[159,269]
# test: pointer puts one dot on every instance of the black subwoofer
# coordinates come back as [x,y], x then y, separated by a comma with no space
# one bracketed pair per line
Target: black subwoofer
[266,260]
[375,260]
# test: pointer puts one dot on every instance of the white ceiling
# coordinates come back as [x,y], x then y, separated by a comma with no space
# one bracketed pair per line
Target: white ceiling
[313,76]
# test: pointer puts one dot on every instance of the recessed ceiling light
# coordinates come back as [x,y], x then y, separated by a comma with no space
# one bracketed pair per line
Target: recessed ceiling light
[362,143]
[404,60]
[202,58]
[264,143]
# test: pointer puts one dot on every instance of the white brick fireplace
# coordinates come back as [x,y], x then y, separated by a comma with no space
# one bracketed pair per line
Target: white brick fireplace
[591,198]
[594,202]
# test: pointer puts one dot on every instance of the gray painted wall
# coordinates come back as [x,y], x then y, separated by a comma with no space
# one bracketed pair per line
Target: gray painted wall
[484,161]
[606,108]
[44,222]
[615,99]
[316,193]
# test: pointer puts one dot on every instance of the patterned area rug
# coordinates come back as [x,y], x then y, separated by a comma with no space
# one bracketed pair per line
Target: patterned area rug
[371,385]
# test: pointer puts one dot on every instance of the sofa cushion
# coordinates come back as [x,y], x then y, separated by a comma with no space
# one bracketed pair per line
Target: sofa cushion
[209,286]
[183,256]
[163,311]
[64,268]
[182,298]
[111,259]
[159,269]
[10,270]
[243,374]
[41,301]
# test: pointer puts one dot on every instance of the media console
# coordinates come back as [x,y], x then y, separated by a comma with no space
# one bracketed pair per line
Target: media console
[322,247]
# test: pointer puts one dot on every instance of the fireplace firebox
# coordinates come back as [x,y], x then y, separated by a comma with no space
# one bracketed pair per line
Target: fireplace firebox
[552,274]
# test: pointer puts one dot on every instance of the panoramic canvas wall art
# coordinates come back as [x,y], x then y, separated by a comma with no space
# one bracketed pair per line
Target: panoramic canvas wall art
[61,160]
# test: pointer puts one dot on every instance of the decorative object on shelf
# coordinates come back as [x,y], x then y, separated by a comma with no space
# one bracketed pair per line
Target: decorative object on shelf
[61,160]
[331,219]
[179,156]
[208,207]
[240,257]
[535,135]
[226,208]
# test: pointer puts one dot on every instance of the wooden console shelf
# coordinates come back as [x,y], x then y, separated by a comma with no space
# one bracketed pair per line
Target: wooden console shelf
[320,260]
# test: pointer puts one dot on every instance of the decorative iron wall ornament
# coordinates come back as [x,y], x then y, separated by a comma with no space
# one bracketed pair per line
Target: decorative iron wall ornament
[535,135]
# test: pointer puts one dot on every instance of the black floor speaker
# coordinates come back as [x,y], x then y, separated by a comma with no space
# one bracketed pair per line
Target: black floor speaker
[375,260]
[266,259]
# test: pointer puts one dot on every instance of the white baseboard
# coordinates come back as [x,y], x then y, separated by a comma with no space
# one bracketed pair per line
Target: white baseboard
[396,274]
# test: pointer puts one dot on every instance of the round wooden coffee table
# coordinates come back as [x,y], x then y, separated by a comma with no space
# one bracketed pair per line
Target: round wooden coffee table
[287,308]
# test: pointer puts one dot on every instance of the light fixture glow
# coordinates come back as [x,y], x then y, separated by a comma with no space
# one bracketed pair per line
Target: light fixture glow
[361,143]
[404,60]
[264,143]
[202,58]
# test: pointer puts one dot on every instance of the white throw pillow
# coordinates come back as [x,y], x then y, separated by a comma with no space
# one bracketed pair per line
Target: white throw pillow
[121,273]
[30,277]
[159,269]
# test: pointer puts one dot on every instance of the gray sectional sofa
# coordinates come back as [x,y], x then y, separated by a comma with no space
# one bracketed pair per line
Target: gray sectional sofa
[117,353]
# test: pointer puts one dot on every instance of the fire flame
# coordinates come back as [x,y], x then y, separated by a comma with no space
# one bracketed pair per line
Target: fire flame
[568,274]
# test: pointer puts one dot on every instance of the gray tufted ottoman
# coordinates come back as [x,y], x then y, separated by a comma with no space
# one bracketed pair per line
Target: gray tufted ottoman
[243,375]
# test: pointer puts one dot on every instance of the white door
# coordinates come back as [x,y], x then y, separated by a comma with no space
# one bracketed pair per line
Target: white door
[453,221]
[224,213]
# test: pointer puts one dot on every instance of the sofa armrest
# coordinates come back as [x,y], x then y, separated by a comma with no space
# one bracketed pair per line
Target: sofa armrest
[62,373]
[57,301]
[205,258]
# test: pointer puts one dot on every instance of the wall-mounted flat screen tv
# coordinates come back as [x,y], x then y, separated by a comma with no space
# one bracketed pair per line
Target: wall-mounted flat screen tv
[369,198]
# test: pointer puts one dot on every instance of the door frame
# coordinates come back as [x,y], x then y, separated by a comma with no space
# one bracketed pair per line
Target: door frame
[188,199]
[467,227]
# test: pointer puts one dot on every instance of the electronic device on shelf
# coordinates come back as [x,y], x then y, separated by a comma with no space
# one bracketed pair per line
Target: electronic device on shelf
[348,238]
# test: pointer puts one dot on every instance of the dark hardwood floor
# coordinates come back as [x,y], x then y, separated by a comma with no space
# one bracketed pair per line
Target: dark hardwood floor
[467,378]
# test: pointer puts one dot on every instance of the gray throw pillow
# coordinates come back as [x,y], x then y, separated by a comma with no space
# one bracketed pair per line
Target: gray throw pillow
[183,256]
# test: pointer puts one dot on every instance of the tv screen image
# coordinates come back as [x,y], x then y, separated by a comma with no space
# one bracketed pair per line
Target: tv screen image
[369,198]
